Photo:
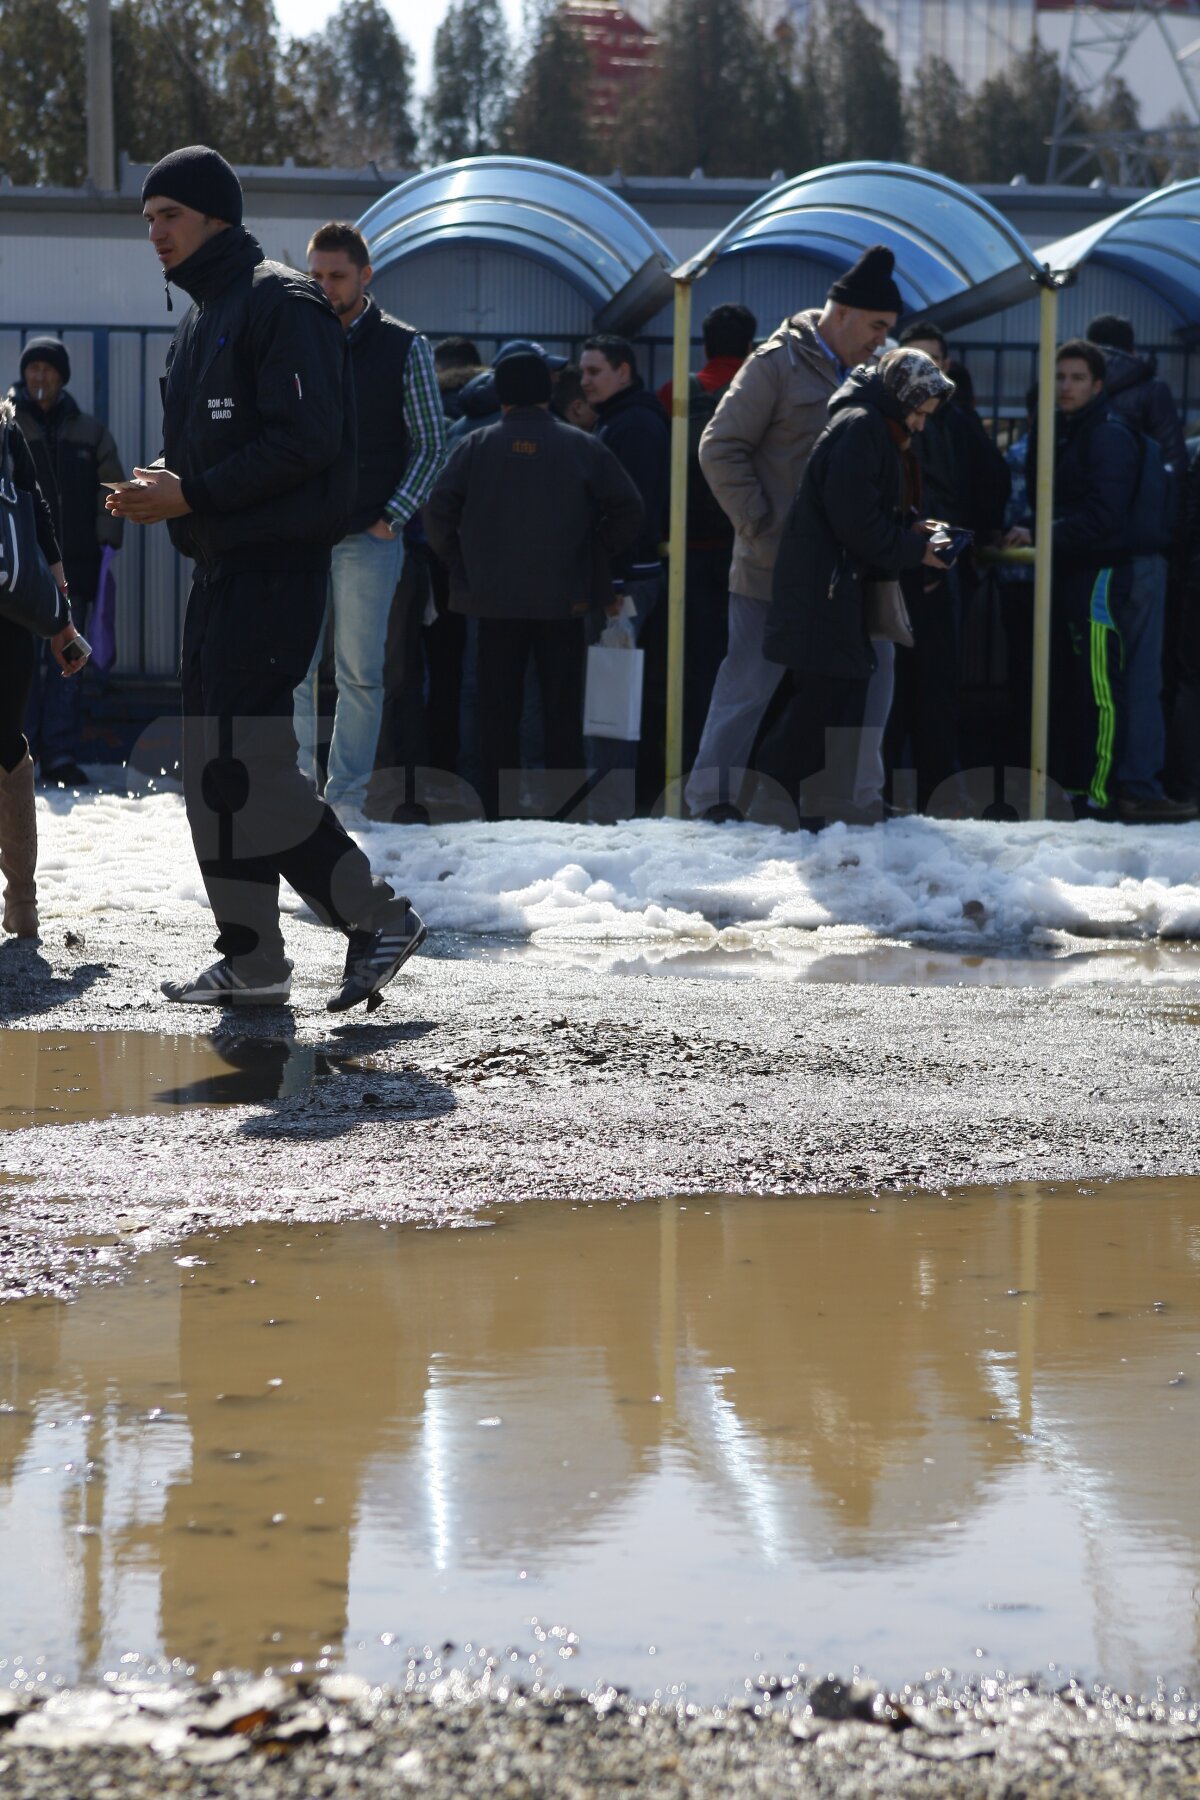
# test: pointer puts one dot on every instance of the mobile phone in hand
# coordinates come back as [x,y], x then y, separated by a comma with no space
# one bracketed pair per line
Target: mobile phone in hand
[76,649]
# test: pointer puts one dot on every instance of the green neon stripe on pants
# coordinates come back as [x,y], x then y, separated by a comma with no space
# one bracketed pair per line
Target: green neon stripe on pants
[1102,690]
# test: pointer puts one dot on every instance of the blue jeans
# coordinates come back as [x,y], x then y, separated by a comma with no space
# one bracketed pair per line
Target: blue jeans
[1140,621]
[362,581]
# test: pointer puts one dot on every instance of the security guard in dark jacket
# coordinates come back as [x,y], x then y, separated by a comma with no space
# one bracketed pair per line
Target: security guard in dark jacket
[257,483]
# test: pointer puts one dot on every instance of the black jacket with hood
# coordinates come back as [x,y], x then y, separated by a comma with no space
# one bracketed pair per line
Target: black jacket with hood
[80,454]
[635,428]
[525,515]
[1136,393]
[1096,462]
[847,525]
[258,412]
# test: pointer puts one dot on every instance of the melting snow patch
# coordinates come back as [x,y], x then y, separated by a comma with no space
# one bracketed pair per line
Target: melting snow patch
[661,881]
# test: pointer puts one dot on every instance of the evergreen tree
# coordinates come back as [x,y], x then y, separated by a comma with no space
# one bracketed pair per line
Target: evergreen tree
[721,99]
[551,115]
[851,87]
[1010,119]
[936,104]
[354,81]
[466,108]
[1116,111]
[43,125]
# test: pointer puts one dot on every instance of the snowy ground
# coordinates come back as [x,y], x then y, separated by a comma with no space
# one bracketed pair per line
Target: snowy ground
[688,886]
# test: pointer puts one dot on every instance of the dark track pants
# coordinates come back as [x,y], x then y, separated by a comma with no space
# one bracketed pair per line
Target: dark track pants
[248,640]
[1088,706]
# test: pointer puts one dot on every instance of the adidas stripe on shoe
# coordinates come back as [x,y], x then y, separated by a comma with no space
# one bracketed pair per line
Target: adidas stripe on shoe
[373,957]
[223,985]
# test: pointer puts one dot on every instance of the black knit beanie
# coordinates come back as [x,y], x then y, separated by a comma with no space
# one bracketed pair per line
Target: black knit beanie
[522,379]
[1111,331]
[200,178]
[50,350]
[868,286]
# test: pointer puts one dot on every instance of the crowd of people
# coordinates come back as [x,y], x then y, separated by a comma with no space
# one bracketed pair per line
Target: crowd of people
[451,539]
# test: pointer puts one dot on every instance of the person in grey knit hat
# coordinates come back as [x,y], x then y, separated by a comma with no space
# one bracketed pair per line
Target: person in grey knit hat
[753,455]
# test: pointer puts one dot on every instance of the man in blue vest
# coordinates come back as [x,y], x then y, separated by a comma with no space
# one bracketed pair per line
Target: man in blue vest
[401,448]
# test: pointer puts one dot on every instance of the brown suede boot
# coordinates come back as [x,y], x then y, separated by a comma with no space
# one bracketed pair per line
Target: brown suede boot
[18,848]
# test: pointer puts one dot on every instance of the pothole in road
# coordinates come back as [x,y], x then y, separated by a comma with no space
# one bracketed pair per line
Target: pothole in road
[72,1077]
[664,1443]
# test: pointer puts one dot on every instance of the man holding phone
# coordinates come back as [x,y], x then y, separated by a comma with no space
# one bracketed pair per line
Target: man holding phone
[256,482]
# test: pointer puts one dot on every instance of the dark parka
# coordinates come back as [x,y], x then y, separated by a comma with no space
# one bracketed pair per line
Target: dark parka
[847,525]
[258,412]
[1096,464]
[1136,393]
[80,454]
[525,515]
[635,428]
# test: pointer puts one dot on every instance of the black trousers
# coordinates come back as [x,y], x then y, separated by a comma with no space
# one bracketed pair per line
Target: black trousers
[922,727]
[505,646]
[445,645]
[18,655]
[248,639]
[813,746]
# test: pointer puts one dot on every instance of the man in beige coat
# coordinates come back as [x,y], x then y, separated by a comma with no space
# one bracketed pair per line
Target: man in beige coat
[754,453]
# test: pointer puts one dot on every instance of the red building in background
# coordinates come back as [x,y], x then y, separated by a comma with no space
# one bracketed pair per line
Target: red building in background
[623,54]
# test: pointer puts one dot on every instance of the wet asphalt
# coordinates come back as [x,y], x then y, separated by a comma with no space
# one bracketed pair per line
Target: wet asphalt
[490,1082]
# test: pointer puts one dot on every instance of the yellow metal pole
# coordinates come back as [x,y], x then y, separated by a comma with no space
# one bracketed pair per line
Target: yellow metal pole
[1043,523]
[677,564]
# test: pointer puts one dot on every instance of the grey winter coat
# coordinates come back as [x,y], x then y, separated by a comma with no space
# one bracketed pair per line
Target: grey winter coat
[756,447]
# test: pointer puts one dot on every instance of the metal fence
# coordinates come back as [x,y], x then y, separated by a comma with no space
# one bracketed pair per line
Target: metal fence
[115,374]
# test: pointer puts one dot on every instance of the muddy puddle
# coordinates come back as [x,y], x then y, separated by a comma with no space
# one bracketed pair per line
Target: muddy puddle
[845,955]
[652,1444]
[67,1077]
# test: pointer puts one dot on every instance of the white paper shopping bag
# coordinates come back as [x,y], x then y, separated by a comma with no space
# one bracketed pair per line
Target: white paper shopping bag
[612,701]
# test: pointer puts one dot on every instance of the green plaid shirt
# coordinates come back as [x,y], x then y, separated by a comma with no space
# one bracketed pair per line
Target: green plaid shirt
[426,436]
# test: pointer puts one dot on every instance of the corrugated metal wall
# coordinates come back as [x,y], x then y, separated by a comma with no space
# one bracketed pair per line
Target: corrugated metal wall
[484,293]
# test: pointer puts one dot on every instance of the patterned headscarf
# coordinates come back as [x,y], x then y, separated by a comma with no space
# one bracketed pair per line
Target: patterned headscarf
[913,377]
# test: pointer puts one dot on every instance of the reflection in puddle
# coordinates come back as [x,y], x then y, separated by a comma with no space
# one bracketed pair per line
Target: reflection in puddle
[901,1433]
[65,1077]
[845,954]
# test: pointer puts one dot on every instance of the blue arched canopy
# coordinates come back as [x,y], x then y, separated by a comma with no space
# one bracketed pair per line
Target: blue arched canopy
[1156,240]
[955,255]
[552,216]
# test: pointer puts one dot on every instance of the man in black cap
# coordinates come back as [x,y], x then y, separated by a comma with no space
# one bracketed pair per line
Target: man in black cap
[74,454]
[257,482]
[753,454]
[525,516]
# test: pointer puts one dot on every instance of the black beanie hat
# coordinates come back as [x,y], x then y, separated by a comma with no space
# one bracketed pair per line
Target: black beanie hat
[50,350]
[1111,330]
[868,286]
[522,379]
[200,178]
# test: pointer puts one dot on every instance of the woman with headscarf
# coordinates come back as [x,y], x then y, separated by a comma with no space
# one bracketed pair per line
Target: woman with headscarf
[854,527]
